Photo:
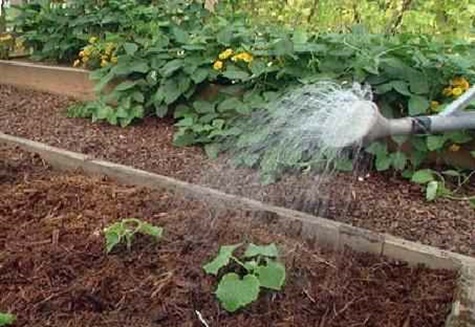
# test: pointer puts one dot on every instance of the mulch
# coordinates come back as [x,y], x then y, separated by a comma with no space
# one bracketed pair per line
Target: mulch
[379,202]
[54,270]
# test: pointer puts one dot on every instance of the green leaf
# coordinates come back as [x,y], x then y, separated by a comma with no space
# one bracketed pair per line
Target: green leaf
[130,48]
[222,259]
[418,105]
[272,275]
[251,265]
[212,150]
[235,293]
[398,160]
[261,250]
[423,176]
[112,239]
[431,190]
[151,230]
[203,107]
[225,36]
[401,87]
[419,84]
[161,111]
[230,103]
[6,319]
[283,47]
[451,173]
[199,75]
[171,67]
[300,36]
[181,36]
[458,137]
[236,74]
[125,85]
[377,148]
[435,142]
[383,162]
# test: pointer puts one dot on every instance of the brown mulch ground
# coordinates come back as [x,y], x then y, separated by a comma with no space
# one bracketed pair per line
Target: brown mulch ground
[379,202]
[54,272]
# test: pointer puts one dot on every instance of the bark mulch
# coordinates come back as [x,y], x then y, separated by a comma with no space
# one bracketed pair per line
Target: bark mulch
[54,271]
[379,202]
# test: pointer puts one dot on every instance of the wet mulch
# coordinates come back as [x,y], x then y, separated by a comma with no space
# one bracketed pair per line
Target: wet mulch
[379,202]
[54,272]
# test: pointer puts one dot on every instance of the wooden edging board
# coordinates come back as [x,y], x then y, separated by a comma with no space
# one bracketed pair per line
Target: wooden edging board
[308,227]
[67,81]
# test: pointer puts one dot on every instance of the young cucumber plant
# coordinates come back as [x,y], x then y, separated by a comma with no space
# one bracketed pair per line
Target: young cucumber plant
[6,319]
[259,268]
[125,230]
[435,184]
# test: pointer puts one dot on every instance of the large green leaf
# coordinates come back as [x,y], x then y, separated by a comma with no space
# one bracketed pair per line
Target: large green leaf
[236,74]
[222,259]
[423,176]
[398,160]
[431,190]
[234,292]
[418,105]
[253,250]
[435,142]
[130,48]
[170,67]
[272,275]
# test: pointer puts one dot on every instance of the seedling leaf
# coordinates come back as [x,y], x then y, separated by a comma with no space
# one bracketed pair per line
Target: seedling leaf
[272,275]
[151,230]
[6,319]
[264,250]
[222,259]
[431,191]
[112,239]
[422,176]
[234,293]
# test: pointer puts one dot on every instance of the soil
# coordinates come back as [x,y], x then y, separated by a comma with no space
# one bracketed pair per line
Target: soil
[379,202]
[54,270]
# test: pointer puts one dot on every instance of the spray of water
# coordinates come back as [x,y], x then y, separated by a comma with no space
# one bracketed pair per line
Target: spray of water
[305,129]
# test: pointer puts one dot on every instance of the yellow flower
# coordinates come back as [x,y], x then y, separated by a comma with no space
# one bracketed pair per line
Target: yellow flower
[226,54]
[218,65]
[77,62]
[93,40]
[460,82]
[109,48]
[457,91]
[454,148]
[447,91]
[114,60]
[81,53]
[104,57]
[104,63]
[434,105]
[243,56]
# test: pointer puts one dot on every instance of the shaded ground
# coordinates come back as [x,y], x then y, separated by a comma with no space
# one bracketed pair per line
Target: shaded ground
[378,202]
[54,272]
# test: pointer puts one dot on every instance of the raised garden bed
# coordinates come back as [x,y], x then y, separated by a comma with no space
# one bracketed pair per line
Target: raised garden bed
[377,202]
[55,272]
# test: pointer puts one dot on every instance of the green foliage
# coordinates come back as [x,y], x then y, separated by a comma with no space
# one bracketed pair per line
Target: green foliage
[125,230]
[258,268]
[435,184]
[169,53]
[6,319]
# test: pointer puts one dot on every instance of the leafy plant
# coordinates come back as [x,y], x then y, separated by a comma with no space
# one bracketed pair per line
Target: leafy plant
[258,268]
[436,185]
[125,230]
[6,319]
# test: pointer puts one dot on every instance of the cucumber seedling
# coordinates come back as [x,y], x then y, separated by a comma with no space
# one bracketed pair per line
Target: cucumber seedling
[258,268]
